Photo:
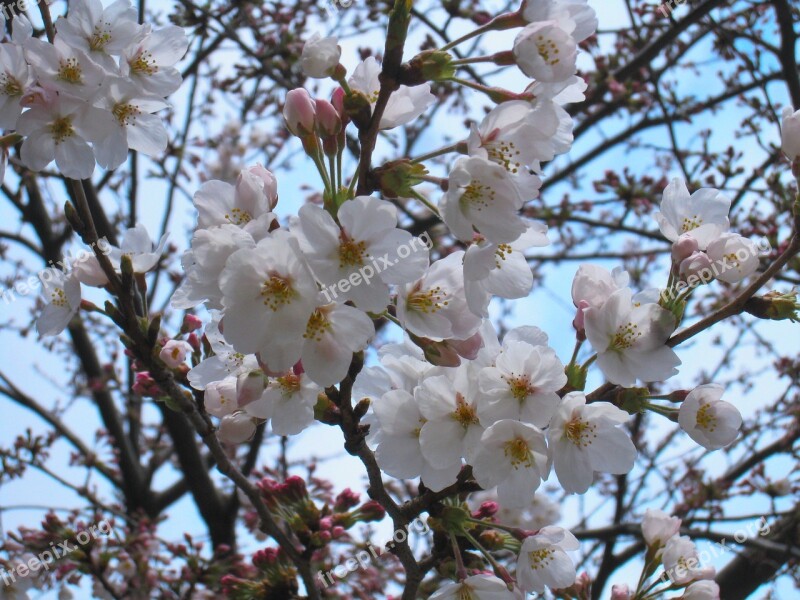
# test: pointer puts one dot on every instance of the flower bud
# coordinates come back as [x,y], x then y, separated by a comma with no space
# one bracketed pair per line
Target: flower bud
[146,386]
[256,181]
[320,56]
[328,121]
[486,510]
[774,306]
[790,133]
[236,428]
[191,323]
[684,247]
[174,353]
[299,111]
[697,266]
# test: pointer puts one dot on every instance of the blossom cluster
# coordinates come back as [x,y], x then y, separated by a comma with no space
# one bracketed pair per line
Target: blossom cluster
[89,95]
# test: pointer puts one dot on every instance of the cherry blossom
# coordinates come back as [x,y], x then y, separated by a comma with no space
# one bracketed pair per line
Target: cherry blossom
[150,62]
[398,451]
[139,248]
[500,269]
[15,79]
[236,428]
[100,32]
[587,438]
[512,455]
[174,353]
[790,132]
[226,362]
[405,104]
[435,305]
[482,195]
[288,400]
[320,56]
[658,527]
[448,404]
[522,385]
[734,257]
[268,295]
[60,128]
[701,590]
[709,421]
[681,562]
[544,562]
[65,68]
[220,398]
[704,213]
[545,52]
[574,16]
[137,128]
[476,587]
[203,264]
[220,203]
[630,340]
[367,240]
[63,295]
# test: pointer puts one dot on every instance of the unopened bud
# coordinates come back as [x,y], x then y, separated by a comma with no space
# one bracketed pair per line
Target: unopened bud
[299,111]
[684,247]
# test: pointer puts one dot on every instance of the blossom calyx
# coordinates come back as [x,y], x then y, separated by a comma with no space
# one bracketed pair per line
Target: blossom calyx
[774,306]
[397,178]
[430,65]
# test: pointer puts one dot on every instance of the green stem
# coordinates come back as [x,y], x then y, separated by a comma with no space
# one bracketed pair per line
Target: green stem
[439,152]
[426,202]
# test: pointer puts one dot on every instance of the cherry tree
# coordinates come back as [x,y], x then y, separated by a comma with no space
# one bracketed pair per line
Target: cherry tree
[391,205]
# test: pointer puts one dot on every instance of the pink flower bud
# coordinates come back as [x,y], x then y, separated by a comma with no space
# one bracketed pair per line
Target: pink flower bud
[578,321]
[255,181]
[191,323]
[299,112]
[174,353]
[328,121]
[698,265]
[620,591]
[236,428]
[486,510]
[145,386]
[684,247]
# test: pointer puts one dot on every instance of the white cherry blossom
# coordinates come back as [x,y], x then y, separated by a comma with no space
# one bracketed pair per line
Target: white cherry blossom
[137,245]
[137,128]
[587,438]
[15,79]
[573,16]
[220,397]
[236,428]
[220,203]
[704,213]
[681,562]
[100,32]
[448,402]
[225,363]
[475,587]
[64,68]
[544,562]
[522,385]
[512,456]
[435,305]
[630,339]
[150,61]
[482,195]
[203,264]
[405,104]
[367,242]
[63,296]
[268,295]
[710,421]
[500,269]
[790,132]
[658,527]
[701,590]
[733,257]
[398,449]
[60,128]
[320,56]
[545,52]
[288,400]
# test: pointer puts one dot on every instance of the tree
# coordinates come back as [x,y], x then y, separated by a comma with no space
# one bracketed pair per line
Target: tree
[451,166]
